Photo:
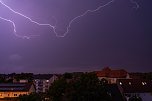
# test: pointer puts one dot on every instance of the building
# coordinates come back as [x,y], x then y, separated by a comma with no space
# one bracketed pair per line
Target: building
[20,81]
[12,90]
[115,91]
[23,81]
[136,87]
[112,75]
[43,82]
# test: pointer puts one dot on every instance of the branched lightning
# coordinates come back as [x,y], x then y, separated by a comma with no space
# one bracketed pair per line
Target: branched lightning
[53,27]
[24,17]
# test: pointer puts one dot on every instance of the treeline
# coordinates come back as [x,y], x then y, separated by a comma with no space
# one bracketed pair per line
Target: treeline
[8,78]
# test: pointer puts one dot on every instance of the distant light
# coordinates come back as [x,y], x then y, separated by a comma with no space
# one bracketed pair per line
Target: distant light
[144,83]
[47,80]
[129,83]
[120,83]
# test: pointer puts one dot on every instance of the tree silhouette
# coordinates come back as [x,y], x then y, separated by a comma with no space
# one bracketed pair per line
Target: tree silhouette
[87,87]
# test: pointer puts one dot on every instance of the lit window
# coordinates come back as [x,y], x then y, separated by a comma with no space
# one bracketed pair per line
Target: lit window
[120,83]
[144,83]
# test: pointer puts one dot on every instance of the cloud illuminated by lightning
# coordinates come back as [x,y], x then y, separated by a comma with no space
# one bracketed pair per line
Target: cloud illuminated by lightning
[53,27]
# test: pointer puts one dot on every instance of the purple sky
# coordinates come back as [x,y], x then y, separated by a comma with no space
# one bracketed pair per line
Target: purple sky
[117,35]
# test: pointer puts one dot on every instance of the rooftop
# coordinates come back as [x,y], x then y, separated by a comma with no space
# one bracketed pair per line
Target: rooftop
[107,72]
[14,87]
[135,85]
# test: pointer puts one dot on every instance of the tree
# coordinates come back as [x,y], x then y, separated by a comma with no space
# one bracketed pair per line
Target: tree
[89,88]
[27,76]
[57,89]
[31,97]
[86,88]
[67,75]
[2,79]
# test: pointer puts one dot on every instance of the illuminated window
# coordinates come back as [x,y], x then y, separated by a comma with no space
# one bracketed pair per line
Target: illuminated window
[144,83]
[120,83]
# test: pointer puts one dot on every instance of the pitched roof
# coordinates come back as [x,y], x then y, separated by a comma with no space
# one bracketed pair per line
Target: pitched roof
[115,92]
[107,72]
[13,87]
[135,85]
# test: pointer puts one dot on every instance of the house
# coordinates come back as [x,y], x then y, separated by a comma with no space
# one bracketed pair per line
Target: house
[112,75]
[43,82]
[23,81]
[20,81]
[136,87]
[12,90]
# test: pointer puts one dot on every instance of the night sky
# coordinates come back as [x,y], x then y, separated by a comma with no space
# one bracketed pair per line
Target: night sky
[118,35]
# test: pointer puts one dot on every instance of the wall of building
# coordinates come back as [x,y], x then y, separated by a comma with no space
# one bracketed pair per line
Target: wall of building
[42,85]
[110,80]
[11,94]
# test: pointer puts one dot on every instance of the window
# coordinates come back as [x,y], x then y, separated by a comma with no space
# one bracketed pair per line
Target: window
[144,83]
[47,81]
[120,83]
[15,94]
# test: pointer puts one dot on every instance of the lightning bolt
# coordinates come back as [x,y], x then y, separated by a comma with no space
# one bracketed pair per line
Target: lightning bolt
[53,27]
[135,3]
[14,28]
[13,23]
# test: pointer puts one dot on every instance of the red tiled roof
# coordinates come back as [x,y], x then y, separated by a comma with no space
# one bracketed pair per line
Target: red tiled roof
[107,72]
